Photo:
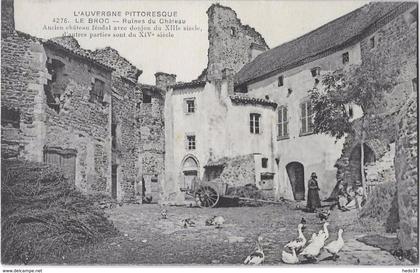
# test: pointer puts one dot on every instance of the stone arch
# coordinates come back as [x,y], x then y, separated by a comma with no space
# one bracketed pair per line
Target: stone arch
[296,173]
[354,169]
[190,169]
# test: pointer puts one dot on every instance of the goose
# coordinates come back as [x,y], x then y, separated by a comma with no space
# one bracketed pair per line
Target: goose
[323,233]
[187,223]
[288,258]
[218,221]
[210,221]
[257,257]
[298,243]
[164,213]
[323,215]
[312,251]
[314,235]
[335,246]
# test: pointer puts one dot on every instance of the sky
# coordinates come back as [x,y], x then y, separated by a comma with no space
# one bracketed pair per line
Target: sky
[186,54]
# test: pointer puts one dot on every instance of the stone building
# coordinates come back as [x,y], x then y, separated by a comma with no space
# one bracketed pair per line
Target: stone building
[81,110]
[209,121]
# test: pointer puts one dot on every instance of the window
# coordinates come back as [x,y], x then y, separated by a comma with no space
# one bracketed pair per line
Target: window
[97,91]
[372,42]
[190,106]
[190,142]
[232,31]
[316,71]
[10,117]
[346,58]
[280,81]
[306,118]
[254,123]
[282,123]
[415,86]
[264,162]
[147,98]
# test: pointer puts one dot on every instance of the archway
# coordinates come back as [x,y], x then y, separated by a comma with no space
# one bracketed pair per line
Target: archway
[190,172]
[354,170]
[295,171]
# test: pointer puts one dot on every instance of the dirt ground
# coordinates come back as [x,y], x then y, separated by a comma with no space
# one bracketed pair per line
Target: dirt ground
[147,239]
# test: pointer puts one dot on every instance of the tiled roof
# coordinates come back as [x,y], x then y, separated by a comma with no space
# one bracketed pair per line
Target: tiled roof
[70,45]
[322,41]
[192,84]
[237,99]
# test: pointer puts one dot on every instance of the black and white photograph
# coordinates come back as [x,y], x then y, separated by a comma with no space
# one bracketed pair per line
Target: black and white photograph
[209,134]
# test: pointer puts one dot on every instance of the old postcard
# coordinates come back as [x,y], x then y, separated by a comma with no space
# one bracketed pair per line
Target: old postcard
[209,133]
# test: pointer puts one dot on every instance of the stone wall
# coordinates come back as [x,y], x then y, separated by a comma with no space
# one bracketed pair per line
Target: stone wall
[395,52]
[406,171]
[152,140]
[126,100]
[81,123]
[23,77]
[7,17]
[239,171]
[229,41]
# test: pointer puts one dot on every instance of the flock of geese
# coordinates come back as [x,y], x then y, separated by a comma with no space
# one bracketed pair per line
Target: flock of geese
[297,247]
[309,250]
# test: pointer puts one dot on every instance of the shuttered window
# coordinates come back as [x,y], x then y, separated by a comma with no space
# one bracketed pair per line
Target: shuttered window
[282,123]
[254,123]
[306,118]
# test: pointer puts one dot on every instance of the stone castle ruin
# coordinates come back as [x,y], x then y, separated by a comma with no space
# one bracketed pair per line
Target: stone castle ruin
[86,112]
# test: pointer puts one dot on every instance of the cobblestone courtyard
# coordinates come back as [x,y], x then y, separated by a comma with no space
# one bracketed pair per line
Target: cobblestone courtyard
[147,239]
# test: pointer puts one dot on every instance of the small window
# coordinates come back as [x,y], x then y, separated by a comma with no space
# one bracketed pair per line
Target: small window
[190,106]
[316,71]
[254,123]
[147,98]
[191,142]
[232,31]
[345,57]
[280,81]
[306,118]
[415,85]
[264,162]
[97,91]
[282,123]
[10,117]
[372,42]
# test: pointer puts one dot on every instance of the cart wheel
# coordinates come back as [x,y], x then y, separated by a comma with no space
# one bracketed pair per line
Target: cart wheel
[207,197]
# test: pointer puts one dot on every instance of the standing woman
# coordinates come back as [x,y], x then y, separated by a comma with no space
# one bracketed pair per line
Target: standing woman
[313,195]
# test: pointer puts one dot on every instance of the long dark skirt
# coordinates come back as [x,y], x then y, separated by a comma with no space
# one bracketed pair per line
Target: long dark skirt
[313,199]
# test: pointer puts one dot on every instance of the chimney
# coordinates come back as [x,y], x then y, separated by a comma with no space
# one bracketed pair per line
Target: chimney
[255,50]
[228,74]
[7,17]
[163,80]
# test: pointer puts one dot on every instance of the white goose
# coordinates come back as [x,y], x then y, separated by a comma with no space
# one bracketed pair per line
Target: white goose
[298,243]
[312,251]
[256,257]
[288,258]
[323,233]
[314,235]
[335,246]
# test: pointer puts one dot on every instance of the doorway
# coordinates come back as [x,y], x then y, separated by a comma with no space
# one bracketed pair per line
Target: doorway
[296,174]
[190,173]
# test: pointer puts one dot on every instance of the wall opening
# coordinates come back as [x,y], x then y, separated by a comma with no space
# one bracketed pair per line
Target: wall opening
[56,86]
[114,181]
[354,169]
[295,171]
[65,159]
[190,173]
[10,117]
